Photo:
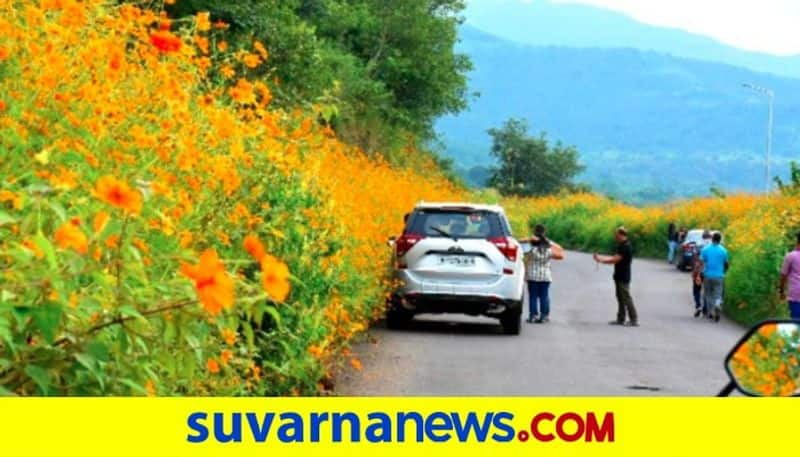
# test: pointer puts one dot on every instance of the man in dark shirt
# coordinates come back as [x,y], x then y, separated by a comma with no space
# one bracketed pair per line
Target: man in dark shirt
[622,260]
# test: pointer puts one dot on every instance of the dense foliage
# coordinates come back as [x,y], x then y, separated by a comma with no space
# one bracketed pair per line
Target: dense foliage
[384,72]
[528,165]
[164,228]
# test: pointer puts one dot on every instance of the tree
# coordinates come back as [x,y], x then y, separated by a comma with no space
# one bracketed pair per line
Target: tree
[530,166]
[793,186]
[389,68]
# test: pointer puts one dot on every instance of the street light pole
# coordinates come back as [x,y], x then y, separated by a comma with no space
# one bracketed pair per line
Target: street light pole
[771,95]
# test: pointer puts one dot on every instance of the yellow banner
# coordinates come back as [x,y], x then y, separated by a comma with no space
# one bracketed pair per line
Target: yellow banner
[110,427]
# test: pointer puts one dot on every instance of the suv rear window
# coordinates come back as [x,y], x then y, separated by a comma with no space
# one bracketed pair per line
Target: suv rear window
[458,223]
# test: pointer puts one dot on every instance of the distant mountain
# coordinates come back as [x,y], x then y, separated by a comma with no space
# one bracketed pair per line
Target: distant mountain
[648,125]
[543,23]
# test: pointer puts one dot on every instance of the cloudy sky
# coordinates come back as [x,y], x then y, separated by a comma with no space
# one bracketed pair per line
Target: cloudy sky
[771,26]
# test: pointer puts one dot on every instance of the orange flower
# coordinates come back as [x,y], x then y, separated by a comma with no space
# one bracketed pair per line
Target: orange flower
[185,239]
[768,330]
[254,247]
[214,286]
[100,221]
[3,53]
[229,336]
[355,363]
[165,41]
[119,194]
[8,196]
[33,248]
[70,236]
[315,351]
[261,50]
[251,60]
[112,241]
[203,21]
[275,277]
[2,105]
[222,46]
[213,366]
[225,356]
[150,387]
[141,245]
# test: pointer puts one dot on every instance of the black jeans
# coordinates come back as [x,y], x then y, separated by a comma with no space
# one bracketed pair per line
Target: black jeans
[625,302]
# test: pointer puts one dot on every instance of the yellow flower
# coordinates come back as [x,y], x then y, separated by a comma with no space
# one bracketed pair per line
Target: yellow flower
[203,21]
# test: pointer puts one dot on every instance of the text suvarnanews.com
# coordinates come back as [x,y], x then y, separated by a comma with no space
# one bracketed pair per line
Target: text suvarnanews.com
[398,427]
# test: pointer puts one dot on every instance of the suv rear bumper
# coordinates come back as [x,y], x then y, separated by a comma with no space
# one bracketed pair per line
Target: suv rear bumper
[473,305]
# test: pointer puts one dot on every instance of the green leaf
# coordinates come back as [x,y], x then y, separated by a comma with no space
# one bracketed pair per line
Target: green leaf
[131,311]
[46,247]
[6,393]
[87,361]
[6,218]
[5,330]
[169,332]
[135,386]
[40,376]
[6,296]
[47,318]
[90,363]
[273,312]
[58,209]
[98,350]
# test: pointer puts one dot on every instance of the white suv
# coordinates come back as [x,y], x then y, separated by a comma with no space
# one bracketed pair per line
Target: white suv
[457,258]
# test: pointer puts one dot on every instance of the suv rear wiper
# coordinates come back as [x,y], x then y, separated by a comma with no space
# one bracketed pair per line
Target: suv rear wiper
[443,232]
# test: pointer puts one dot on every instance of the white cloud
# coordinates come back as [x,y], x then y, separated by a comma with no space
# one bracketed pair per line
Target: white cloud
[766,25]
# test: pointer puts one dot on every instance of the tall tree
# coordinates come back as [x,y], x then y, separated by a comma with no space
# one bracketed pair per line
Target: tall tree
[389,68]
[528,165]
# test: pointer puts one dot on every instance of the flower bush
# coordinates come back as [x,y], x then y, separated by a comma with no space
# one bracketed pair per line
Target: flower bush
[163,229]
[768,363]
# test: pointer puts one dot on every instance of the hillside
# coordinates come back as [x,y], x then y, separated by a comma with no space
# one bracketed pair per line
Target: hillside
[543,23]
[653,109]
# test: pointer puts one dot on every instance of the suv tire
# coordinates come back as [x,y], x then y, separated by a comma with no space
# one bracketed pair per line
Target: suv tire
[511,322]
[396,319]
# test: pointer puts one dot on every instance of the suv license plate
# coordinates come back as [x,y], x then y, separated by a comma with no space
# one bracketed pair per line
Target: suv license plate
[458,261]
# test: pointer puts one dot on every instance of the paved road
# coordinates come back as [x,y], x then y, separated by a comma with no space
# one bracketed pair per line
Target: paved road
[577,353]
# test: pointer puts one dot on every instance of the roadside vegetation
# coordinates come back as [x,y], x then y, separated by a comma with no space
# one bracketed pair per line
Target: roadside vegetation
[165,227]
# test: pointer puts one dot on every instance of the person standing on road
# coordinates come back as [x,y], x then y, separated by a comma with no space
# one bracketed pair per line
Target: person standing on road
[622,260]
[715,264]
[538,274]
[790,273]
[672,242]
[700,305]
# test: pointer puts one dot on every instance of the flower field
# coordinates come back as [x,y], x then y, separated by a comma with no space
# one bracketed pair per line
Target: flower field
[163,229]
[166,230]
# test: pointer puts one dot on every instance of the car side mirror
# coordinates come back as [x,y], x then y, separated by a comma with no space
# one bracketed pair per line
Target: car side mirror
[390,241]
[766,361]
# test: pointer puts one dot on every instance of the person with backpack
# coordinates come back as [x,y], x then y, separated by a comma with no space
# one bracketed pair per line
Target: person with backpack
[700,305]
[715,264]
[539,275]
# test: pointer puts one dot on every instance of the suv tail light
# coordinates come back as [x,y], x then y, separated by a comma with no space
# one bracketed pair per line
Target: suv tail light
[506,247]
[406,242]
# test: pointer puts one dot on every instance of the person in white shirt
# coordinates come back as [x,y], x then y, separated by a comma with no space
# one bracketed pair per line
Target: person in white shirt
[538,274]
